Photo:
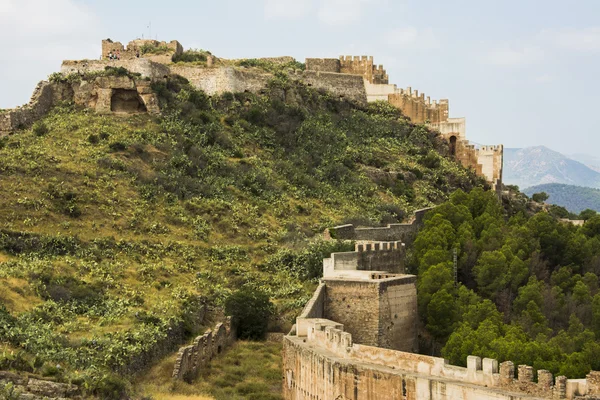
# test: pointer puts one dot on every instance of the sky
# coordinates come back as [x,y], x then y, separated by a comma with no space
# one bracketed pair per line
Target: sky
[523,72]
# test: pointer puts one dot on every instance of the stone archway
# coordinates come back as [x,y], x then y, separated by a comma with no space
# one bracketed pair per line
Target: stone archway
[126,101]
[453,145]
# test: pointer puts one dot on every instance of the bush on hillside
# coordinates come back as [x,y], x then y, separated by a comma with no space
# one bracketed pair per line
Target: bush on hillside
[250,310]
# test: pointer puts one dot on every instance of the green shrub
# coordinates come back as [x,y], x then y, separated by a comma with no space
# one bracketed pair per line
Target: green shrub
[40,129]
[250,310]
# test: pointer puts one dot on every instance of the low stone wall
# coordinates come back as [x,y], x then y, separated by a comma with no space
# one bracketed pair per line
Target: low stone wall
[38,389]
[192,358]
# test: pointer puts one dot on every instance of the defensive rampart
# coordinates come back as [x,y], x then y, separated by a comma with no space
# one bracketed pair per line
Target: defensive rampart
[153,50]
[392,232]
[192,358]
[327,363]
[146,68]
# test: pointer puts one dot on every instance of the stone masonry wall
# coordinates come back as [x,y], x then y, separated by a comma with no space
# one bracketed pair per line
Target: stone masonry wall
[398,315]
[363,66]
[39,389]
[196,356]
[403,232]
[327,363]
[418,108]
[355,304]
[323,64]
[145,67]
[44,97]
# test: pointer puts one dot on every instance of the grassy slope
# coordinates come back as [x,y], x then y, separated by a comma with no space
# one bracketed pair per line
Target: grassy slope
[139,216]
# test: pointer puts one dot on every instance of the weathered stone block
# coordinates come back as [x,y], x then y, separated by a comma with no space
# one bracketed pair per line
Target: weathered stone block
[525,373]
[507,372]
[545,379]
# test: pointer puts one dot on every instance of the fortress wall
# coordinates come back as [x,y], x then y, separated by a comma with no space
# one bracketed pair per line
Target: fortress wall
[379,91]
[354,304]
[381,257]
[350,87]
[45,96]
[490,158]
[315,308]
[145,67]
[226,79]
[418,108]
[451,127]
[194,357]
[327,363]
[134,50]
[323,64]
[311,373]
[398,315]
[363,66]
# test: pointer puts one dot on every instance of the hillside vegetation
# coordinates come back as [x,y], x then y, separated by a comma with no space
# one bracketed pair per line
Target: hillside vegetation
[527,288]
[114,230]
[573,198]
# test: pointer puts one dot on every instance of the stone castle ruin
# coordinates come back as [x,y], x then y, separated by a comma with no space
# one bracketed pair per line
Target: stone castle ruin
[357,338]
[356,79]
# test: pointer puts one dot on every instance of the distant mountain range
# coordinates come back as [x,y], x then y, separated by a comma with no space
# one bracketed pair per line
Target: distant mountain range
[573,198]
[532,166]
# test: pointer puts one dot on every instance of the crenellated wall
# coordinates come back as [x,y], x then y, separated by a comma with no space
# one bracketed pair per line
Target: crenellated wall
[392,232]
[192,358]
[328,363]
[363,66]
[418,108]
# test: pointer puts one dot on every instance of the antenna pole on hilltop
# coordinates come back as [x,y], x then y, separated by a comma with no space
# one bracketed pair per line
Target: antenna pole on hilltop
[454,259]
[150,27]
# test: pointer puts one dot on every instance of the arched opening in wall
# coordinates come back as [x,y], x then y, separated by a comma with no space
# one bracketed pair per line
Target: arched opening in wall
[126,101]
[219,349]
[453,145]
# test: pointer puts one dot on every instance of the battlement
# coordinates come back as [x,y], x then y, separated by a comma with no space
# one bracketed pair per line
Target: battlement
[367,257]
[325,341]
[363,65]
[491,149]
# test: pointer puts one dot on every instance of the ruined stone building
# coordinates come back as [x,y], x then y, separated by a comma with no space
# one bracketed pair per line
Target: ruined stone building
[357,338]
[354,78]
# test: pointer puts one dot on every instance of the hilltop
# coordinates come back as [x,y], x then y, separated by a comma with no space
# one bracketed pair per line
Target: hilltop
[117,227]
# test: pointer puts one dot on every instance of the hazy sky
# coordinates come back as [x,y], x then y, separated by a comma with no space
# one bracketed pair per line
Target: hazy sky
[523,72]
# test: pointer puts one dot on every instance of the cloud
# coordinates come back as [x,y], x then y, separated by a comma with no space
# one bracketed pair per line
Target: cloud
[42,33]
[287,9]
[340,12]
[328,12]
[510,56]
[33,18]
[545,78]
[411,38]
[586,39]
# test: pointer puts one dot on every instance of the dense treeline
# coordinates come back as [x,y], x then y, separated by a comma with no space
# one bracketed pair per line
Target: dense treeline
[573,198]
[526,290]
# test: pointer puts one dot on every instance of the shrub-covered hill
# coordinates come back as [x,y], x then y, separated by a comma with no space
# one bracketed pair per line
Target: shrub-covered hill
[114,228]
[573,198]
